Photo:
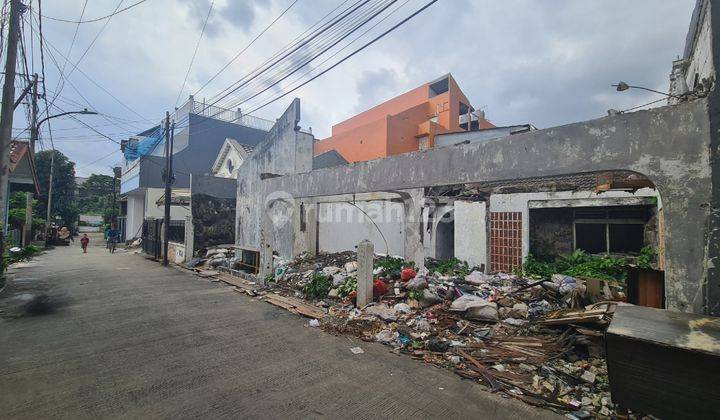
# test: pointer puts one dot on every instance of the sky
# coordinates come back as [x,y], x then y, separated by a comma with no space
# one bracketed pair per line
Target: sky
[547,63]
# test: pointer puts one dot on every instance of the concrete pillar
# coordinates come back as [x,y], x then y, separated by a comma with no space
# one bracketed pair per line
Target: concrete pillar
[189,238]
[414,247]
[365,256]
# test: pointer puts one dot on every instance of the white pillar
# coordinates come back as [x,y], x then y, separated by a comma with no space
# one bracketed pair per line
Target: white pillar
[365,256]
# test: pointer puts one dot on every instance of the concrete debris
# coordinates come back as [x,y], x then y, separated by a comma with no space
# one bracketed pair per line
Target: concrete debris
[514,335]
[356,350]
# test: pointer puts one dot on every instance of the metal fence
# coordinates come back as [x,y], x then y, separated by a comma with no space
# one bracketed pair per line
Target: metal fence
[234,116]
[152,239]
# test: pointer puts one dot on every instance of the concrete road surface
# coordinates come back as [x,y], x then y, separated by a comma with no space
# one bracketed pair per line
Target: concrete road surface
[121,336]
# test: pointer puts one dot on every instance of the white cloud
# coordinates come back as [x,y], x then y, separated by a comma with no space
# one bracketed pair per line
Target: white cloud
[548,63]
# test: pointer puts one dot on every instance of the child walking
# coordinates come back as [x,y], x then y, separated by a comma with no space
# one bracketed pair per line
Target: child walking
[84,241]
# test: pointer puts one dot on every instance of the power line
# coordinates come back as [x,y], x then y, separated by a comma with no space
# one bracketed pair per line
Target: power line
[348,56]
[192,60]
[246,47]
[230,89]
[72,43]
[116,12]
[368,19]
[324,43]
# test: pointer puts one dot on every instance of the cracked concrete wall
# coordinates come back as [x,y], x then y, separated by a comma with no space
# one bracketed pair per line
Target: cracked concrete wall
[284,151]
[670,145]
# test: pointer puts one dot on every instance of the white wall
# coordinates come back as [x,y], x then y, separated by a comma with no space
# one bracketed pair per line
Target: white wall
[234,157]
[518,202]
[152,195]
[341,226]
[135,215]
[700,61]
[470,232]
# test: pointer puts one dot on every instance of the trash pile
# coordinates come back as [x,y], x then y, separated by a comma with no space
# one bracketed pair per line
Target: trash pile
[537,341]
[214,257]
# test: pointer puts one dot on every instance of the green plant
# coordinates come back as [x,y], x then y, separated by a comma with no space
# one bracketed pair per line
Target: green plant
[646,257]
[577,264]
[318,287]
[415,294]
[452,267]
[348,287]
[392,266]
[269,278]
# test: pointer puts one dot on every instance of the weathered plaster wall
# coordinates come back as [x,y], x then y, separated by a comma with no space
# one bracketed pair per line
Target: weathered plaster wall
[342,226]
[285,150]
[470,232]
[670,145]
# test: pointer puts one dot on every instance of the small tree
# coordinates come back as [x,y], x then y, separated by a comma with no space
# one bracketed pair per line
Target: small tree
[63,195]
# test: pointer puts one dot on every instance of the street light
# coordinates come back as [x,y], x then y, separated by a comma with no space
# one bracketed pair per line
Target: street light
[36,130]
[622,86]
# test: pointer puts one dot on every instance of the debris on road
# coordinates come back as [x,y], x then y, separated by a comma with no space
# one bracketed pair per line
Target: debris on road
[536,341]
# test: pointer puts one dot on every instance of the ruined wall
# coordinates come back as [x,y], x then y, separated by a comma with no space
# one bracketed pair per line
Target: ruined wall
[670,145]
[285,150]
[551,232]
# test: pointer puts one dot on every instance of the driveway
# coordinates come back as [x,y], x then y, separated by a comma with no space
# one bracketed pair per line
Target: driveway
[122,336]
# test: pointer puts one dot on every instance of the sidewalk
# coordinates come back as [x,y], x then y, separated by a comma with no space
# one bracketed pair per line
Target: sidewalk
[131,338]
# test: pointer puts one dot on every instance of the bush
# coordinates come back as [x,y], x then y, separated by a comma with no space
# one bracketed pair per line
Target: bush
[392,266]
[318,287]
[577,264]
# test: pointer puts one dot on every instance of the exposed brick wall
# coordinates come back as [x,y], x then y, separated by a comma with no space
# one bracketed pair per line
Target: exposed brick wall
[505,241]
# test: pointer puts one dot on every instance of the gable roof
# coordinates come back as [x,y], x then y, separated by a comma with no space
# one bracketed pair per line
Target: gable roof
[328,159]
[243,149]
[19,150]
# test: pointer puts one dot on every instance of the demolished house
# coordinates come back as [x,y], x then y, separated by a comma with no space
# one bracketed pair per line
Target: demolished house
[651,164]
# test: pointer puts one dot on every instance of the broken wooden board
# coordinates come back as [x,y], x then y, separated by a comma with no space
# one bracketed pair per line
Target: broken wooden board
[236,281]
[296,306]
[208,273]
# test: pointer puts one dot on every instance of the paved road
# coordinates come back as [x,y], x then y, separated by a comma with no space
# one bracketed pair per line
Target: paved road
[130,338]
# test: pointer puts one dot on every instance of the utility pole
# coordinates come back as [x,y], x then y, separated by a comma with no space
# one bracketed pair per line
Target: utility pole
[169,178]
[6,115]
[27,228]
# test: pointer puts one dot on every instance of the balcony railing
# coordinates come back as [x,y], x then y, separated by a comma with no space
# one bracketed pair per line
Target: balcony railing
[224,114]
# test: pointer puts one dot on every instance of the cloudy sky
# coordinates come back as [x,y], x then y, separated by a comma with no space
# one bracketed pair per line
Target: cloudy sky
[543,62]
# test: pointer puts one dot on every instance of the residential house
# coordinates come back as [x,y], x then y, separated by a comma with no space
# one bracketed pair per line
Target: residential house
[200,133]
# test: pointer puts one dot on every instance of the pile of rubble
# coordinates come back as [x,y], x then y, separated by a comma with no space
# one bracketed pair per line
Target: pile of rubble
[535,341]
[215,257]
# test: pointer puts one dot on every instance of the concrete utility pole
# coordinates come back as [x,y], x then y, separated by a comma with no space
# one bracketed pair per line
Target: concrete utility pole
[169,178]
[6,115]
[27,228]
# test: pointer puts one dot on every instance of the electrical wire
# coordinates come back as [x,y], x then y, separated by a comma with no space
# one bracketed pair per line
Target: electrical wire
[240,83]
[294,64]
[232,60]
[197,46]
[116,12]
[377,38]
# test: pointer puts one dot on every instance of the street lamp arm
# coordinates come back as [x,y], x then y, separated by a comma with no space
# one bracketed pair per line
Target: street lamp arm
[624,86]
[62,114]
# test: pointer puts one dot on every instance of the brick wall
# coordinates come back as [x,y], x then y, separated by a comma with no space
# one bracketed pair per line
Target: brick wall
[505,241]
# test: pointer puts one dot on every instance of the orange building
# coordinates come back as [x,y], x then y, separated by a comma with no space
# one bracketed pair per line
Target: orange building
[403,124]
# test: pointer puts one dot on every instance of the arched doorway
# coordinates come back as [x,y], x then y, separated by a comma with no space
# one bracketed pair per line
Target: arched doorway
[445,236]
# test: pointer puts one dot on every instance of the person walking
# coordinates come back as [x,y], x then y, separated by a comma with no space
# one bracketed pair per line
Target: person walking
[84,241]
[112,238]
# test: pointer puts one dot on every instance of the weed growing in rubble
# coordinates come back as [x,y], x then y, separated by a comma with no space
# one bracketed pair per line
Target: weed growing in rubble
[392,266]
[450,267]
[318,287]
[348,287]
[577,264]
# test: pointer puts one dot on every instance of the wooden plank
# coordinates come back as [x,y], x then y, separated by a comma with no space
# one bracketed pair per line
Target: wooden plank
[295,306]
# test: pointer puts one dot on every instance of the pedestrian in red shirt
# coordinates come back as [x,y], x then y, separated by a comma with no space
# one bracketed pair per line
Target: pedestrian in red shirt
[84,241]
